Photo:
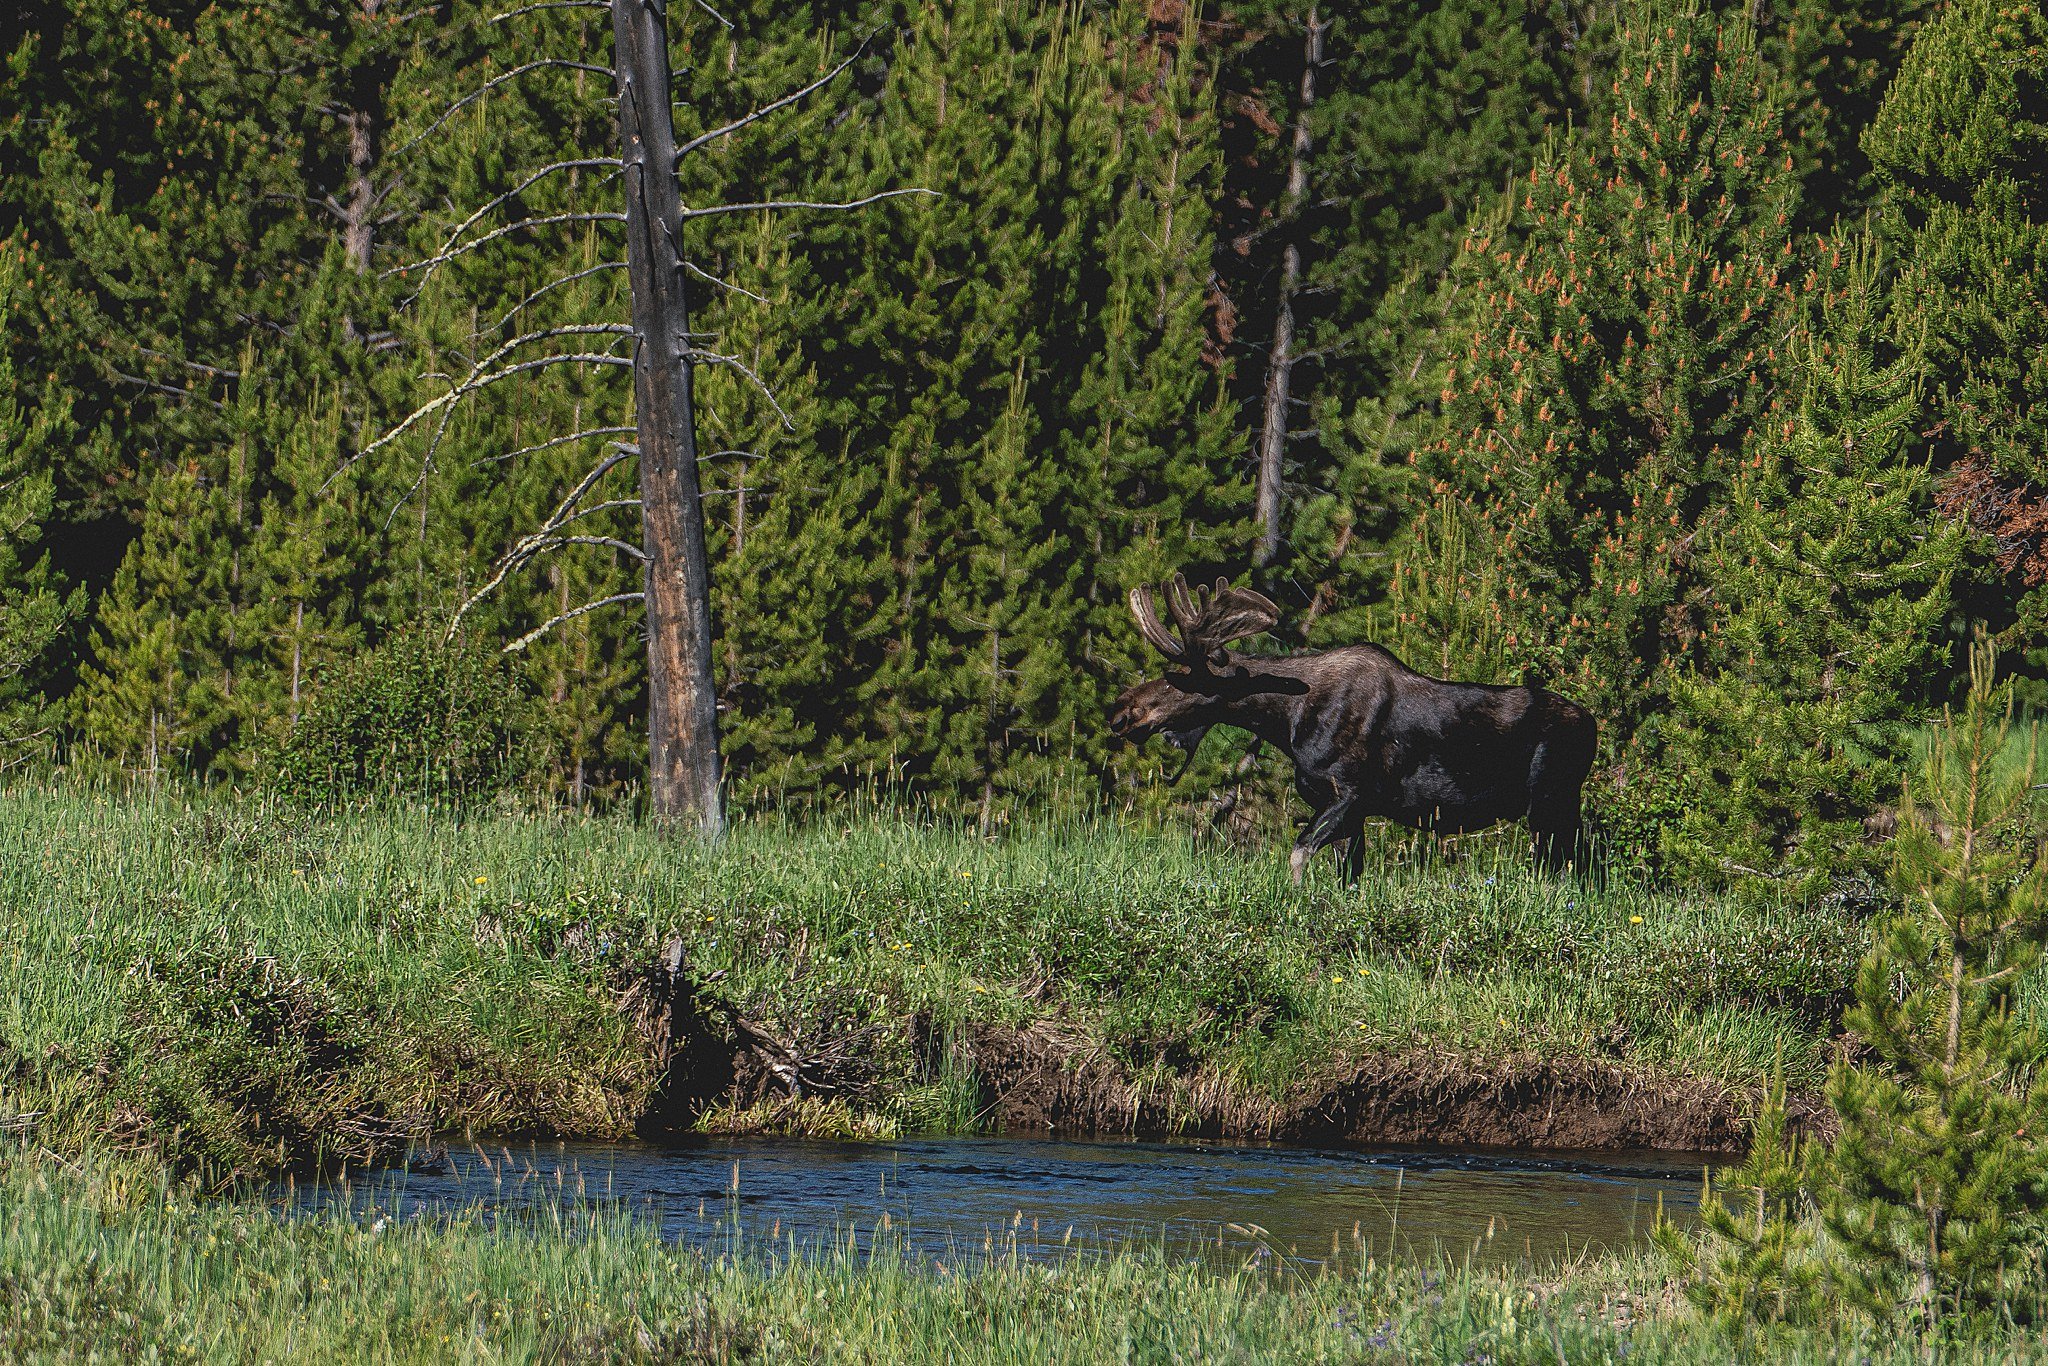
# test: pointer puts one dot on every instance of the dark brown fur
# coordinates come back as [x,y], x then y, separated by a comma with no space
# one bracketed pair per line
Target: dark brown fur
[1369,736]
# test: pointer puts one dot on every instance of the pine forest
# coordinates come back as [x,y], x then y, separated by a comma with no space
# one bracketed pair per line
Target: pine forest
[1684,355]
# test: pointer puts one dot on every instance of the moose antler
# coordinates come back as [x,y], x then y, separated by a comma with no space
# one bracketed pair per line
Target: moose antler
[1208,619]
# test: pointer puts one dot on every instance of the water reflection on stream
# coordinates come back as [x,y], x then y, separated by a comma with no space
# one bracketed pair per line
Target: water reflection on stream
[945,1197]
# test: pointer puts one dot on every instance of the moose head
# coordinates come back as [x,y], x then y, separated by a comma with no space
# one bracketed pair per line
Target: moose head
[1203,677]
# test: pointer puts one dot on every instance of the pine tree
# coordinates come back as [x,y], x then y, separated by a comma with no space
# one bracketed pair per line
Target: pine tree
[154,700]
[1836,57]
[1004,110]
[1421,110]
[1151,441]
[187,165]
[1830,583]
[34,611]
[1937,1184]
[205,188]
[1014,601]
[1960,146]
[452,503]
[1751,1259]
[1609,342]
[785,515]
[305,557]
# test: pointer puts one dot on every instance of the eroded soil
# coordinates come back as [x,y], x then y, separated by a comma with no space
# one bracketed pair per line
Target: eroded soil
[1042,1079]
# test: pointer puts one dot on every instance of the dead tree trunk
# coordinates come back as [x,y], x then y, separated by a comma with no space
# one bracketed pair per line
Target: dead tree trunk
[682,709]
[1280,363]
[682,701]
[358,212]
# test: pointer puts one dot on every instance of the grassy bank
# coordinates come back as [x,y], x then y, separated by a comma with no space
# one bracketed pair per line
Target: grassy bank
[252,986]
[119,1262]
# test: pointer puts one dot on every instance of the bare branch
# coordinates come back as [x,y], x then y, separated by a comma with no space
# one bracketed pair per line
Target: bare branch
[552,284]
[434,262]
[608,505]
[769,204]
[426,466]
[194,365]
[166,388]
[765,110]
[714,358]
[722,284]
[505,348]
[549,444]
[548,4]
[487,87]
[521,188]
[545,538]
[537,632]
[623,547]
[511,560]
[603,467]
[715,14]
[471,386]
[545,334]
[549,333]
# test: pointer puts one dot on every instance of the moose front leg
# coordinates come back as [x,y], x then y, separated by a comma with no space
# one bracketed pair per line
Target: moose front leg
[1354,854]
[1327,827]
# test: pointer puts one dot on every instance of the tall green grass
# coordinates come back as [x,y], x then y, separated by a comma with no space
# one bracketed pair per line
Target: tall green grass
[252,984]
[119,1262]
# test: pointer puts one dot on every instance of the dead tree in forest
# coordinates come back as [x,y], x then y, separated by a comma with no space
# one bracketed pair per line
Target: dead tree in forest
[1280,361]
[682,721]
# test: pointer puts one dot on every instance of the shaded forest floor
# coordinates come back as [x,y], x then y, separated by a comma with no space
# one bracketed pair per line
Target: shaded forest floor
[247,987]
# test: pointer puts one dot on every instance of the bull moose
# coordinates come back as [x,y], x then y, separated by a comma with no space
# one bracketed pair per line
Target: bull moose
[1368,735]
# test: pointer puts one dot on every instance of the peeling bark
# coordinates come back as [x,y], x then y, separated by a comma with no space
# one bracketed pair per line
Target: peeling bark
[682,710]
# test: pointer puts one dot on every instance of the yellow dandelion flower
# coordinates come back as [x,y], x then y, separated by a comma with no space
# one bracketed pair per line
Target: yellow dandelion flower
[1635,920]
[481,879]
[1337,978]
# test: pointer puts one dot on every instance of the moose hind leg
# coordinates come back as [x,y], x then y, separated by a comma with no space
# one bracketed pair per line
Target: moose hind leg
[1554,824]
[1554,846]
[1328,825]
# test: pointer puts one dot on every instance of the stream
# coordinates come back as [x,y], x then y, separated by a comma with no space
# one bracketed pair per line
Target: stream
[959,1198]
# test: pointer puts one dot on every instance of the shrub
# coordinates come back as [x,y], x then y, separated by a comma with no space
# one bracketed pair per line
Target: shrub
[412,716]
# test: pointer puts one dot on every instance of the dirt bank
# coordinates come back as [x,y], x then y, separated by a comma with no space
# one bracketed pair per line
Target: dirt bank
[1047,1079]
[1057,1078]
